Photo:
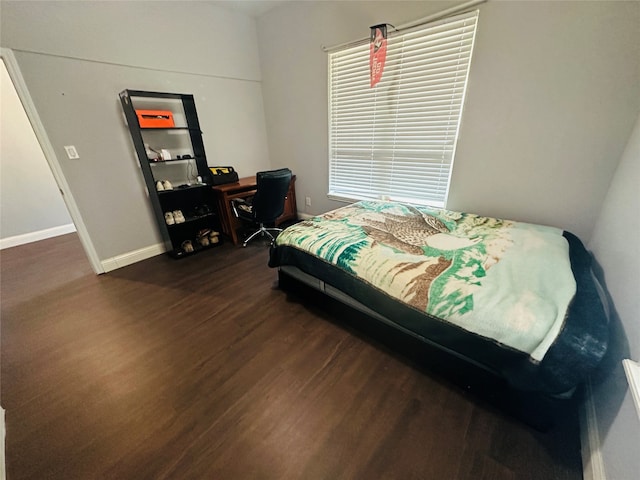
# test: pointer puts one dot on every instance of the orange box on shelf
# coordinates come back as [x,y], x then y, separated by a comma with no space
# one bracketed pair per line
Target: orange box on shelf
[155,118]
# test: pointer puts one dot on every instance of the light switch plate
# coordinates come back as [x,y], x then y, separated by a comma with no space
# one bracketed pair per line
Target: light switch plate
[72,153]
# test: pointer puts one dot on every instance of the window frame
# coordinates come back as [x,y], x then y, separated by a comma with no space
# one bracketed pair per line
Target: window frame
[416,168]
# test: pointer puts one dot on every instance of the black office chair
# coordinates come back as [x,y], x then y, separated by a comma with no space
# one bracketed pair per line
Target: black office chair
[266,205]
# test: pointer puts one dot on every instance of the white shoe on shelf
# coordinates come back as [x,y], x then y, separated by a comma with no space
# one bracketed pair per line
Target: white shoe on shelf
[169,218]
[167,185]
[178,216]
[159,186]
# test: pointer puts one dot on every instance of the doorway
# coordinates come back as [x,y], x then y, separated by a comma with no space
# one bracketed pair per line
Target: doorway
[32,205]
[36,201]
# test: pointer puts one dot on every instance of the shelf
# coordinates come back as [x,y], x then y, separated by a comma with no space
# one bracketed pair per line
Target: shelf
[148,94]
[146,129]
[154,162]
[173,160]
[188,220]
[182,189]
[185,136]
[196,248]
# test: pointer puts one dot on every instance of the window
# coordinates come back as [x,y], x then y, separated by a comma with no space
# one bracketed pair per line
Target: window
[398,139]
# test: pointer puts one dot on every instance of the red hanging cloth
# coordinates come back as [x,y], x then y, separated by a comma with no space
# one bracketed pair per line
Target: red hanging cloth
[377,52]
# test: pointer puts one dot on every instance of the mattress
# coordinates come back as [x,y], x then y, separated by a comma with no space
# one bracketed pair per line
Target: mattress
[516,298]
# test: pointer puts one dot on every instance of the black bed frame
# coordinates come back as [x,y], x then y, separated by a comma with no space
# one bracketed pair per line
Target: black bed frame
[482,385]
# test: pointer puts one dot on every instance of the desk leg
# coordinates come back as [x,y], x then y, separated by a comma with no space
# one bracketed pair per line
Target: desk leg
[228,222]
[227,219]
[232,223]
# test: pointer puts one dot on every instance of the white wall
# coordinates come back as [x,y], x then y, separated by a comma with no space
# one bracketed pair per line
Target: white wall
[30,201]
[175,36]
[616,240]
[552,98]
[616,246]
[76,57]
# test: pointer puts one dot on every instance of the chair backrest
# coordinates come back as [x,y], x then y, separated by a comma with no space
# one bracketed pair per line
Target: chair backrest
[271,192]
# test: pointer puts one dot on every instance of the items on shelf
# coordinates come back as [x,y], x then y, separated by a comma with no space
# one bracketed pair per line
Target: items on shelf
[179,217]
[164,154]
[155,118]
[152,154]
[202,210]
[207,237]
[168,144]
[174,217]
[187,246]
[222,175]
[163,185]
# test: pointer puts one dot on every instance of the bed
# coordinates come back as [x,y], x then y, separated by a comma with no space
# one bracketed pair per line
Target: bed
[516,299]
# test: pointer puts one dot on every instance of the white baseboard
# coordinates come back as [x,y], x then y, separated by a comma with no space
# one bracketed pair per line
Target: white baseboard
[592,461]
[35,236]
[128,258]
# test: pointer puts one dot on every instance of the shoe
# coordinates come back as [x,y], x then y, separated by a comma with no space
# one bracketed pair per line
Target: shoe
[169,218]
[159,186]
[187,246]
[178,216]
[214,237]
[167,185]
[202,210]
[203,237]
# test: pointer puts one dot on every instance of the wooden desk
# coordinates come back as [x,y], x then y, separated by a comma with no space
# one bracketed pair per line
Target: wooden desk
[245,187]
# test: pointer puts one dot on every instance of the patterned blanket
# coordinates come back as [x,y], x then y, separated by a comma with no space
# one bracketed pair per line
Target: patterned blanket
[507,281]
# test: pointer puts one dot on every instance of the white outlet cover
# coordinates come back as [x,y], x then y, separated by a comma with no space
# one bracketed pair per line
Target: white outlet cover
[72,153]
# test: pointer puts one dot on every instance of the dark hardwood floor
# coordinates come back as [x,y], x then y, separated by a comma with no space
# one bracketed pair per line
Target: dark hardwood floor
[202,368]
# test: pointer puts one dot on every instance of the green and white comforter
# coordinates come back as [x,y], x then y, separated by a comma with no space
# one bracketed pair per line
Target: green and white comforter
[506,281]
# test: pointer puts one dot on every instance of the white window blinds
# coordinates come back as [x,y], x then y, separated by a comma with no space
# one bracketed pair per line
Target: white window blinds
[398,139]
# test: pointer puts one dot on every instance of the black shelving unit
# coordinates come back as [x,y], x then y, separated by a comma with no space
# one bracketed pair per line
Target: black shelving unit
[174,154]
